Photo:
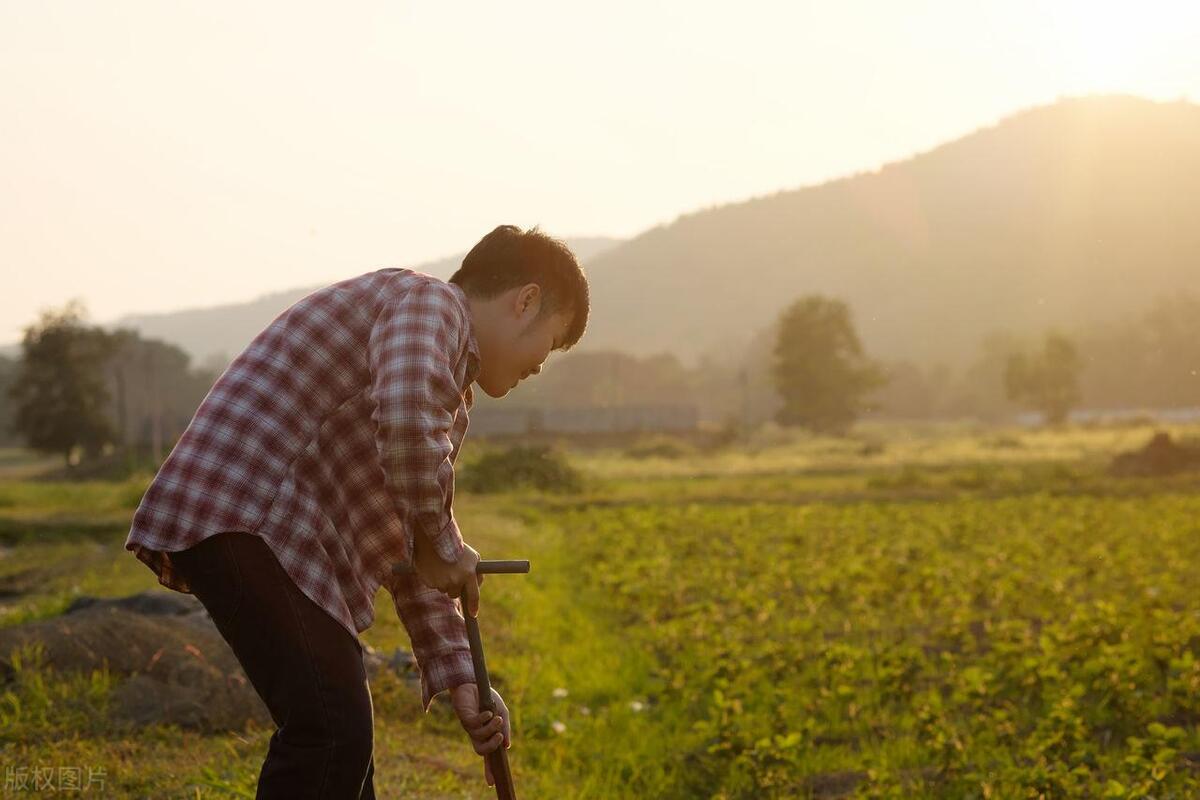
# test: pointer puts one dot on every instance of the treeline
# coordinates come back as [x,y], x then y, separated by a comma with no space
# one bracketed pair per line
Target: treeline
[1147,361]
[83,392]
[8,371]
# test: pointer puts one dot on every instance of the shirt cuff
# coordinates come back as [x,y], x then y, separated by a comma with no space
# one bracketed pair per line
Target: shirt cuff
[445,672]
[448,542]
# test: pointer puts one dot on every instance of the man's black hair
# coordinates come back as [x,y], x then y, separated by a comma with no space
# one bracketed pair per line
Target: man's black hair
[509,257]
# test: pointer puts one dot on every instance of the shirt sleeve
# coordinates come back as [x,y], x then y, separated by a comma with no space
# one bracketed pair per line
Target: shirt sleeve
[438,633]
[413,348]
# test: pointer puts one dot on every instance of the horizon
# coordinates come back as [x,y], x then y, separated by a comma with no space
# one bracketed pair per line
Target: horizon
[145,170]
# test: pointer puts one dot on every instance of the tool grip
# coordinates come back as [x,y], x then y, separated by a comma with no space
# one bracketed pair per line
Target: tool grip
[482,568]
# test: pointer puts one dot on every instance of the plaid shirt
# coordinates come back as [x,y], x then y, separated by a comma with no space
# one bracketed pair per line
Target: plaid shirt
[333,437]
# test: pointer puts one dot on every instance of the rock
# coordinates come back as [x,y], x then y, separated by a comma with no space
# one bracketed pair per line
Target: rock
[400,661]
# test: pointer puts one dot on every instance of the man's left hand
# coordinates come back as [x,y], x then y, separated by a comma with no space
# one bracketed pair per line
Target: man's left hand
[487,730]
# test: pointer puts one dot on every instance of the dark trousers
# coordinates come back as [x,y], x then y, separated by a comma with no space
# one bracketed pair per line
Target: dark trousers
[307,668]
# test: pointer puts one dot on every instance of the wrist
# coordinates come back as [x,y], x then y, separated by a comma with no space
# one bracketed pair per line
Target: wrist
[447,541]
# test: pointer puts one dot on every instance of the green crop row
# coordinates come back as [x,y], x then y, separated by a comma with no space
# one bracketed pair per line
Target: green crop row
[1014,647]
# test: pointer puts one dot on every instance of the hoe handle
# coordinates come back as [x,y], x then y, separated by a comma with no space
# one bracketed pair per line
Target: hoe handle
[482,568]
[498,758]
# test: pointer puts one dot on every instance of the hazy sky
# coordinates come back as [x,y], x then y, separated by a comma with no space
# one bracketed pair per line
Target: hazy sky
[159,155]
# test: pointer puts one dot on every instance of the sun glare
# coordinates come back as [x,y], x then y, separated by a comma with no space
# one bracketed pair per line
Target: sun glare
[1110,46]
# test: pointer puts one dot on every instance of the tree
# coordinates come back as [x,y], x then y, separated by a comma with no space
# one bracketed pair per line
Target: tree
[154,391]
[8,373]
[59,390]
[819,367]
[1150,359]
[606,378]
[914,392]
[1046,381]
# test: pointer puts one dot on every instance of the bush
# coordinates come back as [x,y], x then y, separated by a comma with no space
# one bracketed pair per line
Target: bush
[872,447]
[1162,455]
[660,447]
[1004,442]
[118,465]
[537,467]
[908,477]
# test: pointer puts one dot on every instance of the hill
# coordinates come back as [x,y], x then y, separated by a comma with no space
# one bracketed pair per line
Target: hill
[1069,214]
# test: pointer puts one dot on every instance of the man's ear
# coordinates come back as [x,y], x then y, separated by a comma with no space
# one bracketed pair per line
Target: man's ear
[529,298]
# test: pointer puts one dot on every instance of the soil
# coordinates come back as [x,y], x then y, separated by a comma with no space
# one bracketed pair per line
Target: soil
[1161,456]
[176,666]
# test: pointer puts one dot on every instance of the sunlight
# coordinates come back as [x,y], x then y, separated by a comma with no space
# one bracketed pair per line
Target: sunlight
[1112,46]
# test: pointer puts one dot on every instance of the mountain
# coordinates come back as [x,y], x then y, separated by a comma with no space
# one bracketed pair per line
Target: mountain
[1068,214]
[221,332]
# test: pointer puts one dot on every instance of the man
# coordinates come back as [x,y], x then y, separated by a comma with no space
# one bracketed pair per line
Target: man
[325,454]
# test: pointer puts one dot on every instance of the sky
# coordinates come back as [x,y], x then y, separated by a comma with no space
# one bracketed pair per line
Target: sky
[165,155]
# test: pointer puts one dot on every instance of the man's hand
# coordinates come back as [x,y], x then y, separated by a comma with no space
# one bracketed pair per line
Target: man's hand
[486,730]
[449,578]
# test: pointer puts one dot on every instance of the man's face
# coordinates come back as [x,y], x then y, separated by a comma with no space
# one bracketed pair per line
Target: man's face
[518,347]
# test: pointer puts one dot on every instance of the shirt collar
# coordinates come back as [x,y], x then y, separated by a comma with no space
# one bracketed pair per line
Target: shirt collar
[472,342]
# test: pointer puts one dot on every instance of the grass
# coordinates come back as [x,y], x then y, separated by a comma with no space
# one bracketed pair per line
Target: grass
[55,719]
[773,451]
[918,611]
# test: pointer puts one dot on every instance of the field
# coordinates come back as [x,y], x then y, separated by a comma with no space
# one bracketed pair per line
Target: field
[913,612]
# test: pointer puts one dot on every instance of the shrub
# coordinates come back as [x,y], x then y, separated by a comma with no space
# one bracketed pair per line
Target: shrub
[537,467]
[660,447]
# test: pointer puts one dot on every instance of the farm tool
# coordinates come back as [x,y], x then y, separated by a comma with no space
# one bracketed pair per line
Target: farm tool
[498,758]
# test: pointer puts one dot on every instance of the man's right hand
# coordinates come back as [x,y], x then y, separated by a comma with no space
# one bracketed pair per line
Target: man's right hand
[449,578]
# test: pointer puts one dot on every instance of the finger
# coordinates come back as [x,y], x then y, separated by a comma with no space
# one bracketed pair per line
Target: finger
[472,598]
[488,745]
[471,716]
[503,726]
[481,716]
[502,714]
[479,578]
[487,731]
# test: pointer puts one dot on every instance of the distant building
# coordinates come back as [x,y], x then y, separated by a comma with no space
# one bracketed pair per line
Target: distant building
[495,421]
